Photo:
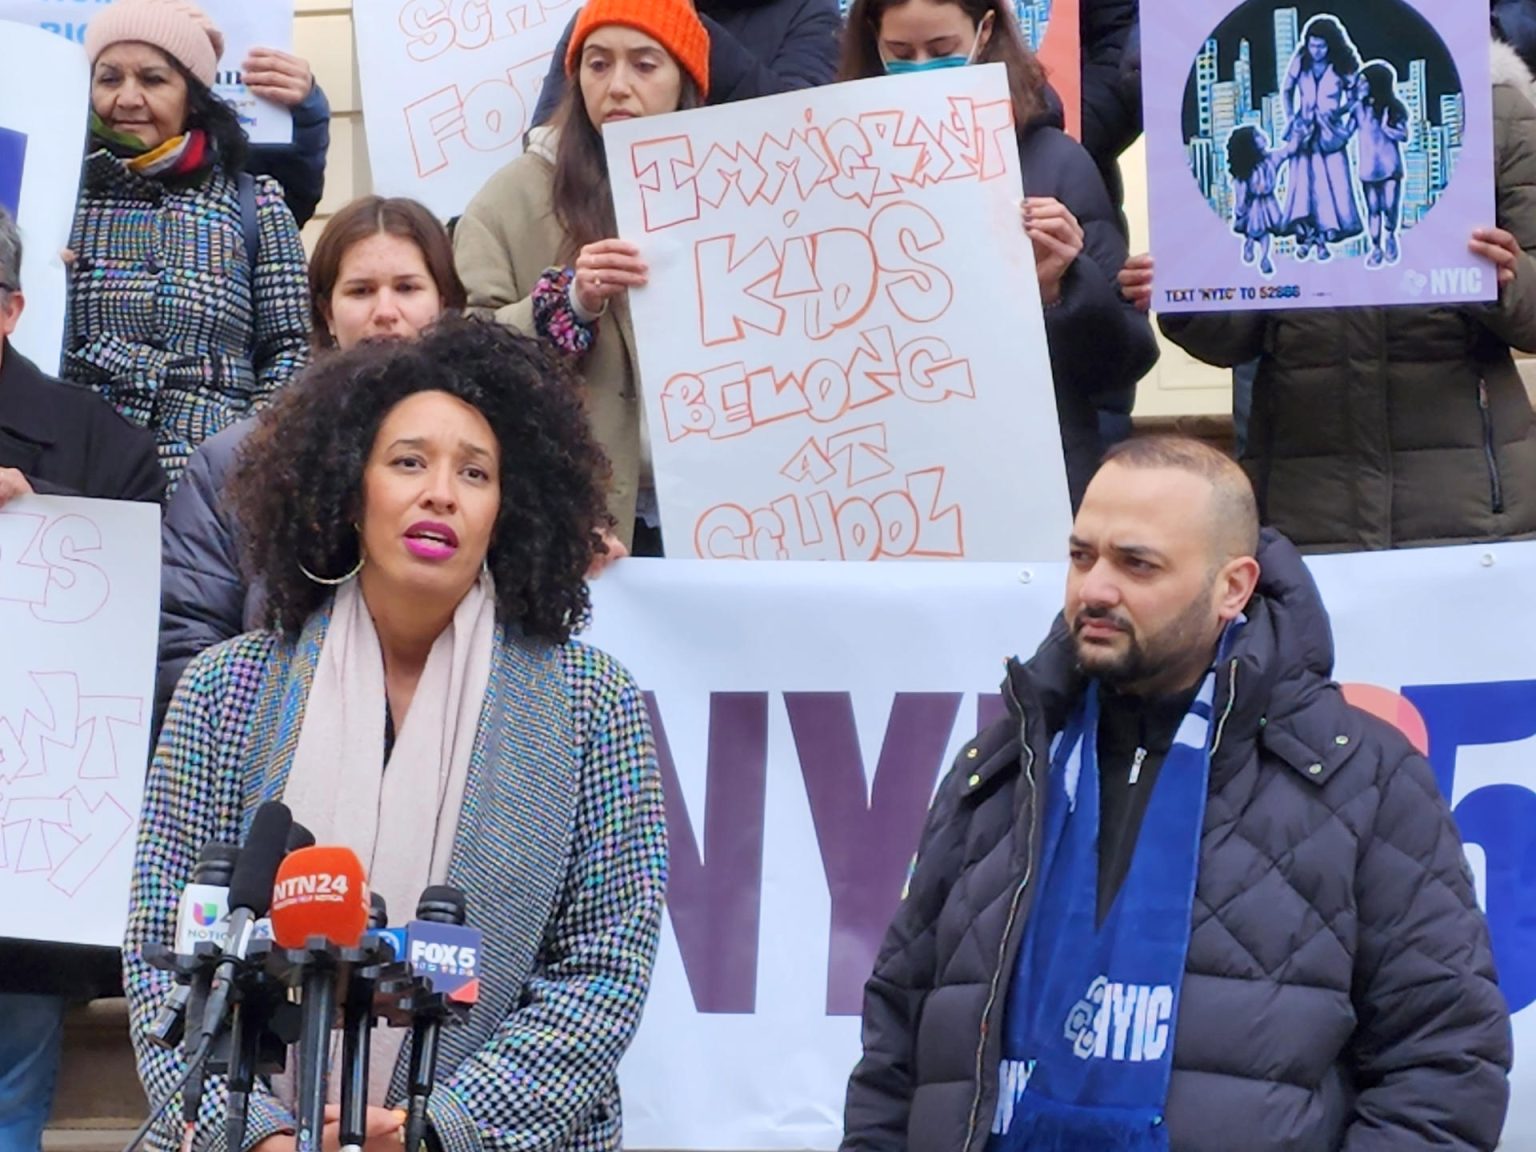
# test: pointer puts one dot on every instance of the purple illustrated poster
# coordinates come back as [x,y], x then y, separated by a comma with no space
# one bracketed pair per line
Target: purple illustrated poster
[1317,153]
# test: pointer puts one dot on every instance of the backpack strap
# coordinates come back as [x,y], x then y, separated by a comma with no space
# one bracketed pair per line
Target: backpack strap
[250,222]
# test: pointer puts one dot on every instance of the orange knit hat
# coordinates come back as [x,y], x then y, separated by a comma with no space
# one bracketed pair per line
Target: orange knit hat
[672,23]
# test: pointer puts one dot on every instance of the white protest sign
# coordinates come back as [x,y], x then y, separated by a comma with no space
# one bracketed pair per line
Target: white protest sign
[244,25]
[45,87]
[841,343]
[803,714]
[449,89]
[79,610]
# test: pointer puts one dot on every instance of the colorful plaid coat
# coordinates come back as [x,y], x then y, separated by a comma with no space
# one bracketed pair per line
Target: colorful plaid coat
[167,318]
[561,850]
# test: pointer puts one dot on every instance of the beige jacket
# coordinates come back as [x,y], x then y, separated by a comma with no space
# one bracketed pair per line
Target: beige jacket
[503,243]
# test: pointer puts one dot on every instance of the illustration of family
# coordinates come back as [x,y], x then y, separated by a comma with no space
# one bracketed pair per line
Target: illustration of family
[1329,97]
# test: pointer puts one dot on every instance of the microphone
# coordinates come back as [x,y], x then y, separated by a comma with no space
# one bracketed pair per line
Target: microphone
[250,895]
[318,893]
[300,837]
[202,919]
[437,939]
[356,1034]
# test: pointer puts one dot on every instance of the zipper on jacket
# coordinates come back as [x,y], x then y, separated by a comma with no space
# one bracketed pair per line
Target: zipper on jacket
[1495,484]
[1013,912]
[1221,725]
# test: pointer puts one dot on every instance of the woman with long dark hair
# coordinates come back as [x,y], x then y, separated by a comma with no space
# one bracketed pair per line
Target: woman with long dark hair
[1099,345]
[537,246]
[188,300]
[1318,95]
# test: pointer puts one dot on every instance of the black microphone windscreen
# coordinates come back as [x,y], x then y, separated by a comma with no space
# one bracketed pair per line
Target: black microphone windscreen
[256,871]
[300,837]
[218,852]
[442,904]
[378,911]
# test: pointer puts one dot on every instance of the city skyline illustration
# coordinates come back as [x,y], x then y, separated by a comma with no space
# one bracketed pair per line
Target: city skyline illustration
[1230,89]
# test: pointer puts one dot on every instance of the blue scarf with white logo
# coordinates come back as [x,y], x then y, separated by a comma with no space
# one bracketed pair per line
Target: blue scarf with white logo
[1088,1044]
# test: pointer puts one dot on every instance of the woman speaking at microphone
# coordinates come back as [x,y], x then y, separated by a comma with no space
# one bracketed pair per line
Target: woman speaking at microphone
[421,515]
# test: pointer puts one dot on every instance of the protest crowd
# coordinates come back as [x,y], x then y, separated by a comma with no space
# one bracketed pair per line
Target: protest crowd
[391,466]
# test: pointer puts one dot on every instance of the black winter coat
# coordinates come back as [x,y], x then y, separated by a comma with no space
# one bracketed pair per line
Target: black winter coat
[756,48]
[1339,992]
[1111,104]
[67,441]
[1100,345]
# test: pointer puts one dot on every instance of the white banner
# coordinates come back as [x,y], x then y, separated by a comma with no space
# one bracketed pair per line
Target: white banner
[244,25]
[804,713]
[79,608]
[45,86]
[450,89]
[842,345]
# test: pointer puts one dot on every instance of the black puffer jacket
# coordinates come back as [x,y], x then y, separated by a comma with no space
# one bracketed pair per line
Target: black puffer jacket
[1339,992]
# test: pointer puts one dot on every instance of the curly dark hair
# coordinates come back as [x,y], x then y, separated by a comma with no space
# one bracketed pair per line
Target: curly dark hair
[1246,149]
[297,487]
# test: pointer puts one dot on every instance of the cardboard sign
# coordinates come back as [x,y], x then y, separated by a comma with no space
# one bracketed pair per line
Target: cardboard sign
[841,344]
[1317,154]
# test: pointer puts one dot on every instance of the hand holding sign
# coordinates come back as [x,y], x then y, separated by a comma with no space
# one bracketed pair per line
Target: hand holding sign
[1058,241]
[278,76]
[12,485]
[1499,246]
[1135,281]
[606,269]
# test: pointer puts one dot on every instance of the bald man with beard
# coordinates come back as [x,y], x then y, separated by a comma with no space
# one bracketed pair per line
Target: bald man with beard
[1183,897]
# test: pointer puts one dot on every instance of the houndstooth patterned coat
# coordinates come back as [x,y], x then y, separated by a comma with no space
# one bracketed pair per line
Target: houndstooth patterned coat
[561,850]
[167,318]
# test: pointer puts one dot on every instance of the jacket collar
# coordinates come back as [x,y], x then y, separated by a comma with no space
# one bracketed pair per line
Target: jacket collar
[1274,688]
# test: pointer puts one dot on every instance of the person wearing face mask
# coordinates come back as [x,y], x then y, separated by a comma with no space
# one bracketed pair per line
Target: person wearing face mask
[177,315]
[1099,345]
[382,270]
[537,246]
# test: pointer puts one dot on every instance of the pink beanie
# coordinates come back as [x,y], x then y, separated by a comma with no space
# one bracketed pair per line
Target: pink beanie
[178,28]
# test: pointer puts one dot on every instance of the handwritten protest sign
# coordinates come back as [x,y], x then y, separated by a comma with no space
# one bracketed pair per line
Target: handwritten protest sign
[1321,153]
[841,343]
[44,101]
[244,25]
[79,608]
[448,89]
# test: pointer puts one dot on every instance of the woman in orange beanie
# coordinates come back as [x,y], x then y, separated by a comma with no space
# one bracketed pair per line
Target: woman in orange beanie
[537,247]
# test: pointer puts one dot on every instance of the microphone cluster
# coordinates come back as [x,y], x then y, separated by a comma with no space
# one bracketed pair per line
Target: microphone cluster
[278,943]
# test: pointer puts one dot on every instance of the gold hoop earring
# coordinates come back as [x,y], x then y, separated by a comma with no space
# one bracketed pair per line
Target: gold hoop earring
[339,579]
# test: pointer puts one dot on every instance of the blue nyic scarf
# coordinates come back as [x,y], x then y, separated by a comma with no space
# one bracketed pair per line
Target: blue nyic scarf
[1088,1044]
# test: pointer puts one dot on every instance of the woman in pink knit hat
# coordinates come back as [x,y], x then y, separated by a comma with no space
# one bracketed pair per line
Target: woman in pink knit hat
[188,293]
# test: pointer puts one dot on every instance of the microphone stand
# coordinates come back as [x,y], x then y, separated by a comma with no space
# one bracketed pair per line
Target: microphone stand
[319,999]
[423,1067]
[356,1036]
